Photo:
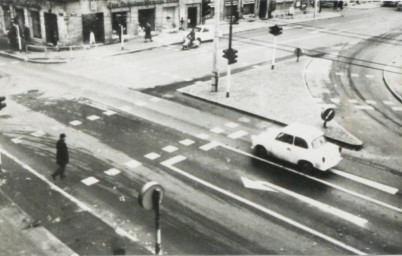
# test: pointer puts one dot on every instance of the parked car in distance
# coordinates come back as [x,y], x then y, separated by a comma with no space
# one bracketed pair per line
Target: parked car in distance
[299,144]
[389,3]
[202,33]
[399,6]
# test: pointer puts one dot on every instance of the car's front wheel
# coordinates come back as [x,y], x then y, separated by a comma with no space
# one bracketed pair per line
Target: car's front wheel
[260,151]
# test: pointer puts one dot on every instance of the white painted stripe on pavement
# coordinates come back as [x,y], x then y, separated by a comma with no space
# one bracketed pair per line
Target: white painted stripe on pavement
[93,117]
[373,102]
[169,149]
[389,103]
[186,142]
[169,164]
[231,125]
[217,130]
[90,181]
[38,134]
[133,163]
[354,75]
[396,108]
[80,204]
[209,146]
[237,134]
[370,76]
[364,107]
[367,182]
[16,140]
[112,172]
[202,136]
[109,113]
[152,156]
[350,192]
[75,122]
[339,73]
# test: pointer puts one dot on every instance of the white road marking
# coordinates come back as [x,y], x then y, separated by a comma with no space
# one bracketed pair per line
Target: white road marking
[396,108]
[90,181]
[133,164]
[350,192]
[354,75]
[38,133]
[372,102]
[231,125]
[169,149]
[335,100]
[80,204]
[263,125]
[140,103]
[367,182]
[353,101]
[202,136]
[112,172]
[217,130]
[75,122]
[237,134]
[187,142]
[170,162]
[16,140]
[339,73]
[93,117]
[364,107]
[188,79]
[155,99]
[389,103]
[209,146]
[370,76]
[168,95]
[125,108]
[323,207]
[256,184]
[152,156]
[109,113]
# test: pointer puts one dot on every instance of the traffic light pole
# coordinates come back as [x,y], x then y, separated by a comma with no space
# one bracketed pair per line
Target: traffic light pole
[228,73]
[215,72]
[273,54]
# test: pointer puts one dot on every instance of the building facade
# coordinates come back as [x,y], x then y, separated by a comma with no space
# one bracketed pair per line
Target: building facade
[70,22]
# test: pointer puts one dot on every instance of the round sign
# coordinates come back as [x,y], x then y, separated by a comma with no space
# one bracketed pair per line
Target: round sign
[328,114]
[298,52]
[145,198]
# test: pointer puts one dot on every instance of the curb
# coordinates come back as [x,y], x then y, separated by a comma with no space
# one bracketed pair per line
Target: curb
[389,86]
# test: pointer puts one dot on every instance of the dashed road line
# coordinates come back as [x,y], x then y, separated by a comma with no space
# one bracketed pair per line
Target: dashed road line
[38,134]
[133,163]
[364,107]
[169,149]
[396,108]
[187,142]
[354,75]
[231,125]
[209,146]
[152,156]
[90,181]
[389,103]
[112,172]
[237,134]
[202,136]
[370,76]
[75,123]
[109,113]
[217,130]
[93,117]
[17,140]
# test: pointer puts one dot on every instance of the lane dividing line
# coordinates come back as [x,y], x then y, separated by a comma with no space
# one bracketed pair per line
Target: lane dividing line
[170,162]
[79,203]
[370,183]
[350,192]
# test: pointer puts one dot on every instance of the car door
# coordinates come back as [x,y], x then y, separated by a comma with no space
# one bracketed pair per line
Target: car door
[283,146]
[300,150]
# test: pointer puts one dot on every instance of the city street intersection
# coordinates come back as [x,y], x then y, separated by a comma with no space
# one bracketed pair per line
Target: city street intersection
[151,116]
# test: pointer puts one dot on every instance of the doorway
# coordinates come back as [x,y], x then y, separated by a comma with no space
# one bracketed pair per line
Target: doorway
[192,17]
[93,22]
[52,32]
[146,15]
[263,9]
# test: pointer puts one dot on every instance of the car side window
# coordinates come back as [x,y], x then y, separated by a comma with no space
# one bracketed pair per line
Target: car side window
[285,138]
[300,142]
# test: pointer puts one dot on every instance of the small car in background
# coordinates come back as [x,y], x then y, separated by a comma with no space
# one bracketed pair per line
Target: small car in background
[299,144]
[399,6]
[202,33]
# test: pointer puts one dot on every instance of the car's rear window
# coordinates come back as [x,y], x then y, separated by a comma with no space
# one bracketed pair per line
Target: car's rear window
[318,142]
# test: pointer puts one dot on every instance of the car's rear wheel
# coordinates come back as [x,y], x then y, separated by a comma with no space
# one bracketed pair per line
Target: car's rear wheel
[260,151]
[306,166]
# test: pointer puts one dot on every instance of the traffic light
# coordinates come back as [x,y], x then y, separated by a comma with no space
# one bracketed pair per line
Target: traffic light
[2,104]
[231,55]
[275,30]
[206,8]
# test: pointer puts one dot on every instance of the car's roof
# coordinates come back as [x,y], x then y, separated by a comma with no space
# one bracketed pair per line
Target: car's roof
[303,131]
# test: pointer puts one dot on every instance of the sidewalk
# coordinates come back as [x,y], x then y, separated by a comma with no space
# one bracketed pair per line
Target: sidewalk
[262,92]
[19,238]
[393,77]
[162,39]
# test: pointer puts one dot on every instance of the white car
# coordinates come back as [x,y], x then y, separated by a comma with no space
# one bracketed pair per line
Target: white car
[299,144]
[202,33]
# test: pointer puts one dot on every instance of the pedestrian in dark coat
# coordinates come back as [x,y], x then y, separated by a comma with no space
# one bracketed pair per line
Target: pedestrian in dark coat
[148,32]
[62,157]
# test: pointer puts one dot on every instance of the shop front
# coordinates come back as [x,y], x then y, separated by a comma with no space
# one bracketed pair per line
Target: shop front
[248,7]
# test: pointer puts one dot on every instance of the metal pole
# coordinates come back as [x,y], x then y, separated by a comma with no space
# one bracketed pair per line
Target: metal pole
[228,81]
[215,72]
[268,3]
[18,37]
[315,8]
[121,35]
[156,199]
[273,54]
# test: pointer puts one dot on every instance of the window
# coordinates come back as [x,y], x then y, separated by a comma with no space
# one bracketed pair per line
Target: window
[318,142]
[36,32]
[285,138]
[300,142]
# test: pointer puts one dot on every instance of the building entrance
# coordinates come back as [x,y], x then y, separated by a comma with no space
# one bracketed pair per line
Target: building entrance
[192,17]
[263,9]
[93,22]
[146,15]
[52,32]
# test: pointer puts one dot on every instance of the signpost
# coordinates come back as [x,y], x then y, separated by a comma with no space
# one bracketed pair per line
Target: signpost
[298,53]
[327,115]
[150,198]
[276,31]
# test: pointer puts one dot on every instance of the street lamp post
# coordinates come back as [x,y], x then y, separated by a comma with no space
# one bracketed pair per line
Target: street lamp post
[215,72]
[18,36]
[121,36]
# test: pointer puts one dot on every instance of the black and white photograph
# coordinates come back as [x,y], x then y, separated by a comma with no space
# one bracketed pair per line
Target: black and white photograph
[200,127]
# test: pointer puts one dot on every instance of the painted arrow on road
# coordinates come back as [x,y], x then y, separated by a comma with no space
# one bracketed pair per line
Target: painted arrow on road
[264,185]
[256,184]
